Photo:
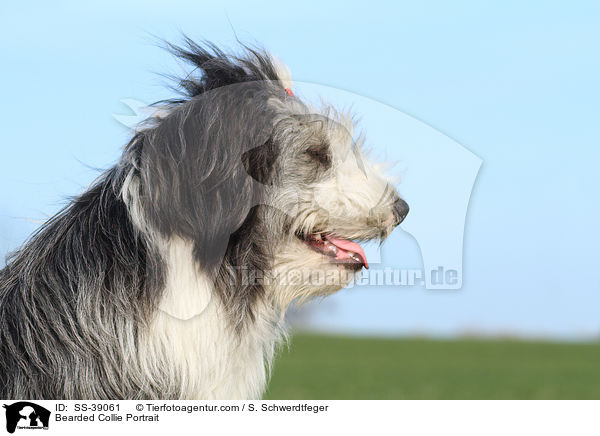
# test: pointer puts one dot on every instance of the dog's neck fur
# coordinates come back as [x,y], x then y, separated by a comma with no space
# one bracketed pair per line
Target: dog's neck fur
[203,352]
[192,334]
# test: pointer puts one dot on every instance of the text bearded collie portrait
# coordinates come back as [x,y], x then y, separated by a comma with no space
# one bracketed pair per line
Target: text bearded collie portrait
[169,277]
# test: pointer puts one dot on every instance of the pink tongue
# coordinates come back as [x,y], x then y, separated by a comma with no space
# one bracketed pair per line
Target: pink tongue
[344,246]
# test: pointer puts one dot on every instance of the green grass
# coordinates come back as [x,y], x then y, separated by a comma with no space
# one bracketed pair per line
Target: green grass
[322,367]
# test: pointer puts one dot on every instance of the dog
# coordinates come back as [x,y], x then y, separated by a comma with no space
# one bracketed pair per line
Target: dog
[169,276]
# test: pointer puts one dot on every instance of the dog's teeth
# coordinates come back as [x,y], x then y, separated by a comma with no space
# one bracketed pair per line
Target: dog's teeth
[354,256]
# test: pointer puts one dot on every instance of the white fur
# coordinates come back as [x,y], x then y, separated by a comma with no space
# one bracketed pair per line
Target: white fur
[357,189]
[191,339]
[355,198]
[212,361]
[283,72]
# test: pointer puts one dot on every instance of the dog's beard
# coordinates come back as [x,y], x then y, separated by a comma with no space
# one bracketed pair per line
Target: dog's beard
[312,260]
[301,273]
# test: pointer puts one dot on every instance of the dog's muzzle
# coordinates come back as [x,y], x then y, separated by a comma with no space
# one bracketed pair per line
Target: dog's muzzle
[400,210]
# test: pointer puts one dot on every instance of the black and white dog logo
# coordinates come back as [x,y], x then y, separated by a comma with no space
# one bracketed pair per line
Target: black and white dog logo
[26,415]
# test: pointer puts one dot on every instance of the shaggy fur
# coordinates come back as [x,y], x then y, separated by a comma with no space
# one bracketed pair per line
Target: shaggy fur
[140,287]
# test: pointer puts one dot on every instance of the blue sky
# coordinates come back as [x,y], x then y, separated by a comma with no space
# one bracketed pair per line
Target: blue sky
[515,83]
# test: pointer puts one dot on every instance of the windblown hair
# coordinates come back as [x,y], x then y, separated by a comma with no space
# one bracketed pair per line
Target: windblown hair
[91,306]
[74,298]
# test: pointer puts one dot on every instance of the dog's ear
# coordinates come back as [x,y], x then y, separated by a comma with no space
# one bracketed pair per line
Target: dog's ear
[201,167]
[259,162]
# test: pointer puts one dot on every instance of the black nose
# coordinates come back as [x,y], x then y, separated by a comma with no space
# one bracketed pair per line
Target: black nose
[400,210]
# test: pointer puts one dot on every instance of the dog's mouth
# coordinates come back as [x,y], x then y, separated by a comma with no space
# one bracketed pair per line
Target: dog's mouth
[340,250]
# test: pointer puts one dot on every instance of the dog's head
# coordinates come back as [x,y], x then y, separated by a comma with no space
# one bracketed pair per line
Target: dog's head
[257,179]
[324,197]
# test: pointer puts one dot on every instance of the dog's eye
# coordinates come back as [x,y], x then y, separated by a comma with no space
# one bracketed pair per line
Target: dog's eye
[320,154]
